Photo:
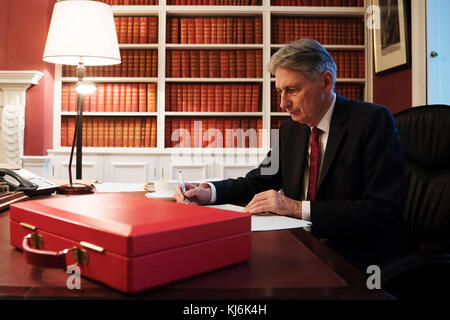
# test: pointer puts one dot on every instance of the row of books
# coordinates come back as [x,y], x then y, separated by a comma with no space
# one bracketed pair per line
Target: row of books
[135,63]
[136,29]
[214,63]
[118,132]
[346,31]
[349,90]
[131,2]
[213,133]
[318,3]
[350,64]
[242,63]
[240,30]
[112,97]
[213,97]
[330,3]
[214,2]
[184,2]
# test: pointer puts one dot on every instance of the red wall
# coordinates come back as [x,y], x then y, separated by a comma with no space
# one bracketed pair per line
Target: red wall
[393,90]
[23,32]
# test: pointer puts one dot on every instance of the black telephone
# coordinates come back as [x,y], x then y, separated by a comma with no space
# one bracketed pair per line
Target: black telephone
[27,182]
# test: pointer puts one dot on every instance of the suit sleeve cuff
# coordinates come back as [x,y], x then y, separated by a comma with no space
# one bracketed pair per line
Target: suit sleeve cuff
[213,191]
[306,210]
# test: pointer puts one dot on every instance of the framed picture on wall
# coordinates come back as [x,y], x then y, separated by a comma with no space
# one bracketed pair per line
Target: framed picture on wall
[390,34]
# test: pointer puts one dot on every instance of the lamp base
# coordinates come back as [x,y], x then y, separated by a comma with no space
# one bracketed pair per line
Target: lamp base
[75,188]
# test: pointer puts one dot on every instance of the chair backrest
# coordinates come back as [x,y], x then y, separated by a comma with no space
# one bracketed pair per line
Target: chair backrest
[425,135]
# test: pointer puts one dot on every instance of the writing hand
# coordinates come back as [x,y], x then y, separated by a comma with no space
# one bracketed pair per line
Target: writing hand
[196,195]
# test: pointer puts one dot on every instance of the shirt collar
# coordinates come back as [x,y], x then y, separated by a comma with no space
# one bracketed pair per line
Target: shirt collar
[324,123]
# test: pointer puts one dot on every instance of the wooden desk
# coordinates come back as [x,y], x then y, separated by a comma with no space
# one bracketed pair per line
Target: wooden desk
[284,265]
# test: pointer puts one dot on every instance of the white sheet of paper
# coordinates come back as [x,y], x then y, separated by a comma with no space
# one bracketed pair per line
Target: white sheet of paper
[119,187]
[267,221]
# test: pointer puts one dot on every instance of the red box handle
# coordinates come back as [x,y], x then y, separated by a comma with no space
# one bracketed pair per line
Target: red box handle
[43,258]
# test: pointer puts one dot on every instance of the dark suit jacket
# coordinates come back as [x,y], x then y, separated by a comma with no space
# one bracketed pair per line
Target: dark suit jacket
[362,187]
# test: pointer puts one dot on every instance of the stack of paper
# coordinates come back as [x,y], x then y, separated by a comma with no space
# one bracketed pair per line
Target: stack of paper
[267,221]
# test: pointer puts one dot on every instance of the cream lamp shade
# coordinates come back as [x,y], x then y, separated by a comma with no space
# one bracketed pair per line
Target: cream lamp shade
[82,31]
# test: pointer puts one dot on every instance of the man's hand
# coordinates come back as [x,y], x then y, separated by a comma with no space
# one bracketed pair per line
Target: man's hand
[196,195]
[275,202]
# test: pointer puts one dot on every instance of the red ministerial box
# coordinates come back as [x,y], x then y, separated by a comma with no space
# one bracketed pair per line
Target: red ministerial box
[133,243]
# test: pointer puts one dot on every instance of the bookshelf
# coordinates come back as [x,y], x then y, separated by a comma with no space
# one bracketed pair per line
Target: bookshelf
[199,80]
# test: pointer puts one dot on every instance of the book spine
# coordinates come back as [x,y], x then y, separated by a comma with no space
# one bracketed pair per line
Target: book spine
[147,136]
[218,103]
[196,99]
[185,64]
[250,57]
[194,64]
[143,29]
[65,97]
[152,30]
[136,29]
[87,122]
[190,98]
[228,128]
[108,97]
[64,134]
[142,61]
[258,30]
[213,30]
[72,99]
[214,67]
[115,97]
[176,135]
[211,97]
[204,63]
[241,98]
[174,28]
[224,63]
[137,132]
[131,132]
[240,63]
[248,98]
[234,97]
[199,30]
[183,30]
[151,97]
[122,96]
[125,132]
[167,133]
[134,97]
[191,31]
[153,133]
[203,97]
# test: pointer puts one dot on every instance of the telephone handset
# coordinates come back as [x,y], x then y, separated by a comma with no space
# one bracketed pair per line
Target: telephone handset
[29,183]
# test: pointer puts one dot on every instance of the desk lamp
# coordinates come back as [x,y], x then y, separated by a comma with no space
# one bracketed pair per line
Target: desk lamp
[82,33]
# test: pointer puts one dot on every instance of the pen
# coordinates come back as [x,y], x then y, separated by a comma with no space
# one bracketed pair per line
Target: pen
[183,188]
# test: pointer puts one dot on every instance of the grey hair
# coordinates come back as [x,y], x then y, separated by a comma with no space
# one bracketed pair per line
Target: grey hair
[305,55]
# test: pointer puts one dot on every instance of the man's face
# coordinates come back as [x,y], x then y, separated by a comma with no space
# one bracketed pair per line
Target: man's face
[306,100]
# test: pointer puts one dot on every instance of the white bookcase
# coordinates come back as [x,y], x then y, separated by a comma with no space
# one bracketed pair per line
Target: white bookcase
[147,164]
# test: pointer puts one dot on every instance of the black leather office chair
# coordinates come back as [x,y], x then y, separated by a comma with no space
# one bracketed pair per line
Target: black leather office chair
[425,273]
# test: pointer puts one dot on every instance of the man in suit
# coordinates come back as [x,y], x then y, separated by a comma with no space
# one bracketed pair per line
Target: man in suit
[338,163]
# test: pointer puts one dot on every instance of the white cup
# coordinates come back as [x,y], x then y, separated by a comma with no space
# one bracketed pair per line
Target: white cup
[165,187]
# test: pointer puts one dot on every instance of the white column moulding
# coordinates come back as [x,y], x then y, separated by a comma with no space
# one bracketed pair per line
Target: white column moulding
[13,87]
